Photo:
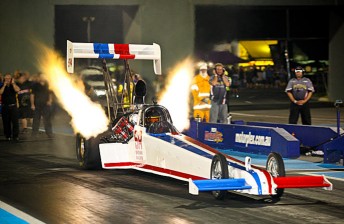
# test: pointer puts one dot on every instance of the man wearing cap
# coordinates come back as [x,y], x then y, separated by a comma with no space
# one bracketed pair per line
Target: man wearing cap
[299,91]
[8,91]
[201,91]
[219,82]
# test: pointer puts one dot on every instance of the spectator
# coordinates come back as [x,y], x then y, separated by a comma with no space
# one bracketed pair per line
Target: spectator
[218,83]
[300,91]
[41,100]
[269,73]
[201,94]
[16,74]
[25,112]
[250,78]
[8,92]
[136,77]
[260,79]
[242,76]
[235,83]
[228,89]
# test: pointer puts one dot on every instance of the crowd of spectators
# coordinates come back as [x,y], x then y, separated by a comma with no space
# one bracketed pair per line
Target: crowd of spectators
[254,77]
[33,101]
[257,77]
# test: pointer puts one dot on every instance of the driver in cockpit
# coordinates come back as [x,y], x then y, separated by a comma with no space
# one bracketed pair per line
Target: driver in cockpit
[156,123]
[152,116]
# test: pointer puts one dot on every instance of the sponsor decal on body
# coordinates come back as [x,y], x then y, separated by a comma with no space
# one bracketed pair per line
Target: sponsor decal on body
[249,139]
[213,135]
[138,145]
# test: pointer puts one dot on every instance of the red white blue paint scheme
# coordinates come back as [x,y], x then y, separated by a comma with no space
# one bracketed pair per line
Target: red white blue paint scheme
[144,138]
[151,144]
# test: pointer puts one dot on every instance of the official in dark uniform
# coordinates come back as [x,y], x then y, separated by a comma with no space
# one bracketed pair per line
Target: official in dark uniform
[300,91]
[10,121]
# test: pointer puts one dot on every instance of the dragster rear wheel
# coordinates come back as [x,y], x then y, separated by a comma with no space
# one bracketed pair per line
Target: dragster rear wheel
[219,170]
[87,152]
[275,166]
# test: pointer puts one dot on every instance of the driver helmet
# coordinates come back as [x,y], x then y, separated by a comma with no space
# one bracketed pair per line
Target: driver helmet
[152,116]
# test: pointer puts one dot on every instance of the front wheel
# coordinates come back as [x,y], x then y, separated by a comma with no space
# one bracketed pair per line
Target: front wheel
[219,170]
[275,166]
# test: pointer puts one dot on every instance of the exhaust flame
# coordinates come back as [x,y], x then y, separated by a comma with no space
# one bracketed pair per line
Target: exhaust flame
[176,95]
[88,118]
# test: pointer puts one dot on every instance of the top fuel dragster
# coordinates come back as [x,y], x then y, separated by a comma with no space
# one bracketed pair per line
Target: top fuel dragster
[143,138]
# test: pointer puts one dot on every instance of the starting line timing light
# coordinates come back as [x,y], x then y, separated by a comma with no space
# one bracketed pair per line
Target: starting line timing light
[113,51]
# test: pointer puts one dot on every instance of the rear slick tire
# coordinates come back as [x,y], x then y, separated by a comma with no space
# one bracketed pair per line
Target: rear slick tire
[87,152]
[219,170]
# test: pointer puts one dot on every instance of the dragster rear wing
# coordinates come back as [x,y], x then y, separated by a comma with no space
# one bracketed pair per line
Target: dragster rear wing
[113,51]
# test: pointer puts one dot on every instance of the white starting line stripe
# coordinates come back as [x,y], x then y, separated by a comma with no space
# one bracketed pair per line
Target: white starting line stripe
[11,215]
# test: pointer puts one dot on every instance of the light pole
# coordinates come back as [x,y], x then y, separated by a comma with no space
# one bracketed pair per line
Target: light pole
[286,51]
[88,19]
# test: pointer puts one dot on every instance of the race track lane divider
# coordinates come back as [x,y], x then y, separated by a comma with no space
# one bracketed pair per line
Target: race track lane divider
[217,185]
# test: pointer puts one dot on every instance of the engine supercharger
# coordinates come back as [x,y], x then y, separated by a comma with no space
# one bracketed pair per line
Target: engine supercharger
[124,129]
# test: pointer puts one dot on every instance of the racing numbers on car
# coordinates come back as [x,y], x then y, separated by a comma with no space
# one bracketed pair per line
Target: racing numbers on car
[70,62]
[138,145]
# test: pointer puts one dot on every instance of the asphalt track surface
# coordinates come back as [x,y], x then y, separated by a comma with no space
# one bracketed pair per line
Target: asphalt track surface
[41,177]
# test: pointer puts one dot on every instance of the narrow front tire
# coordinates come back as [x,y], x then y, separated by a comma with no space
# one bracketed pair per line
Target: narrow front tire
[275,166]
[219,170]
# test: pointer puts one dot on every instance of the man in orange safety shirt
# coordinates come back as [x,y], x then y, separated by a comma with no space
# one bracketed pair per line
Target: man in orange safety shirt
[201,94]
